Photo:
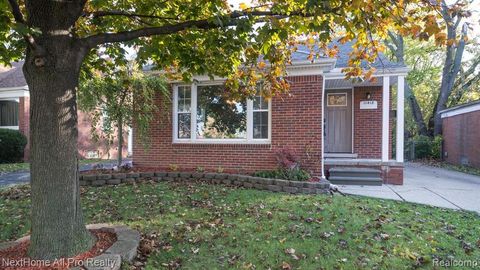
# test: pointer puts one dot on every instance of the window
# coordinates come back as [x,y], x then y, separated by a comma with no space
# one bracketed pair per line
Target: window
[8,113]
[218,117]
[184,112]
[337,100]
[203,113]
[260,118]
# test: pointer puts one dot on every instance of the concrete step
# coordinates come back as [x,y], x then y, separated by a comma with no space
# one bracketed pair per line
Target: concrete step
[354,172]
[357,180]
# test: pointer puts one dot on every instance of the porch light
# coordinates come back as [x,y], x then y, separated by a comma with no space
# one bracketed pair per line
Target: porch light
[368,96]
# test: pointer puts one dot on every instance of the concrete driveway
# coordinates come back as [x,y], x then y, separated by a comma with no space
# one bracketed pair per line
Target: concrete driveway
[428,185]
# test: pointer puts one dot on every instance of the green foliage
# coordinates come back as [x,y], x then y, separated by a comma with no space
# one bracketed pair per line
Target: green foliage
[427,147]
[223,40]
[123,97]
[295,174]
[12,145]
[436,146]
[201,226]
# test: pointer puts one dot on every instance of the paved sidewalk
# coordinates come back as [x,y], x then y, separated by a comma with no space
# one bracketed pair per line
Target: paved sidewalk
[428,185]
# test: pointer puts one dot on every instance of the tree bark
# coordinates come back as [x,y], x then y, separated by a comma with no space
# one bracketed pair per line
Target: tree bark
[58,228]
[398,49]
[451,68]
[416,111]
[120,141]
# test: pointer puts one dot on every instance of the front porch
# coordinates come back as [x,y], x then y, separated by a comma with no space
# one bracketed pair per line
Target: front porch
[363,129]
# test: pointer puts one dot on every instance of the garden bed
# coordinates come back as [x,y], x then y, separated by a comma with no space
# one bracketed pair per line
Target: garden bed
[275,185]
[17,254]
[113,245]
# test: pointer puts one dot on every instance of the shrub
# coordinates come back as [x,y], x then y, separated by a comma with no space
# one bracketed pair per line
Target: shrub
[296,174]
[12,145]
[422,146]
[289,167]
[427,147]
[437,147]
[286,158]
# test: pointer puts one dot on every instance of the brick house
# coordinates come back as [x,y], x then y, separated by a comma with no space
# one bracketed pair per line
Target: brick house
[15,114]
[203,129]
[461,134]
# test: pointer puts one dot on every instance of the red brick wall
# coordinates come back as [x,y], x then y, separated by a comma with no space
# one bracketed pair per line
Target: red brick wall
[24,122]
[296,124]
[87,144]
[85,141]
[368,124]
[461,134]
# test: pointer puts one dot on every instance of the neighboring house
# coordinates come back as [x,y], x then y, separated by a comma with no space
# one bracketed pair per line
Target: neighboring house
[15,114]
[461,134]
[208,131]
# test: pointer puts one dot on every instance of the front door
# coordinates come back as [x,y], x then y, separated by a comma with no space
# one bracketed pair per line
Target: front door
[338,121]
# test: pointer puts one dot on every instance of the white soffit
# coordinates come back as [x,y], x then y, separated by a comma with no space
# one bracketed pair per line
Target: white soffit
[462,109]
[14,92]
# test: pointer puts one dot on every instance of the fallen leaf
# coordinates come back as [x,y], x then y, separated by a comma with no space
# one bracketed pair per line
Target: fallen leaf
[286,266]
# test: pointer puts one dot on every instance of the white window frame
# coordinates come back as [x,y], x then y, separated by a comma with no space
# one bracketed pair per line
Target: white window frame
[193,123]
[12,127]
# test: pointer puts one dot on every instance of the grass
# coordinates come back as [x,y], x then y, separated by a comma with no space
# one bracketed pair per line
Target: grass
[452,167]
[459,168]
[14,167]
[24,166]
[201,226]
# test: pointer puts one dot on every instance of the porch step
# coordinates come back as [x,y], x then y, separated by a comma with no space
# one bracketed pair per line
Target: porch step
[360,181]
[355,176]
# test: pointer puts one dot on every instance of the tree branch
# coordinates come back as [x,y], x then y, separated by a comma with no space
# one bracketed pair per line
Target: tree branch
[101,13]
[17,14]
[233,19]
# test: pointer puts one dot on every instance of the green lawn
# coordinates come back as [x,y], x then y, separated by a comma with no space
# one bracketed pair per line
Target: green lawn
[201,226]
[14,167]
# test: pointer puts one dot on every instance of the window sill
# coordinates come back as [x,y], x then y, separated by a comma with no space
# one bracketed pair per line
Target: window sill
[10,127]
[223,143]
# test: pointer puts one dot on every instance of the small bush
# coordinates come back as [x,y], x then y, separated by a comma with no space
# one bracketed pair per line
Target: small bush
[12,145]
[427,147]
[422,146]
[437,147]
[292,174]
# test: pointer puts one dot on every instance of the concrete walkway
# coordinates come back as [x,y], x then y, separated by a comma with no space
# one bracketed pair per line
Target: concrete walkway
[428,185]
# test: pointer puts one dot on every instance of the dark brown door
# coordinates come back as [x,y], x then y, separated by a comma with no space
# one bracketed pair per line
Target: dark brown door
[338,121]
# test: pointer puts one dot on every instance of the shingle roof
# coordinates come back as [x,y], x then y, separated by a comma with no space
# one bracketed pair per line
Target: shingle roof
[344,50]
[342,57]
[12,76]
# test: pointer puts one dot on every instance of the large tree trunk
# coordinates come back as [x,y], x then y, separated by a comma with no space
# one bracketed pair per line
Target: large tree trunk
[398,50]
[58,228]
[416,111]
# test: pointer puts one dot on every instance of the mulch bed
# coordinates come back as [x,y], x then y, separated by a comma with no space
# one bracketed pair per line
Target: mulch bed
[18,253]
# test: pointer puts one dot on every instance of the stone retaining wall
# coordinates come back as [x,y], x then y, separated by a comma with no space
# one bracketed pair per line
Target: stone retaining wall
[275,185]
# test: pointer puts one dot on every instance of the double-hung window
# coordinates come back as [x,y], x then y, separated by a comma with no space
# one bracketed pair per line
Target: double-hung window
[9,110]
[204,113]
